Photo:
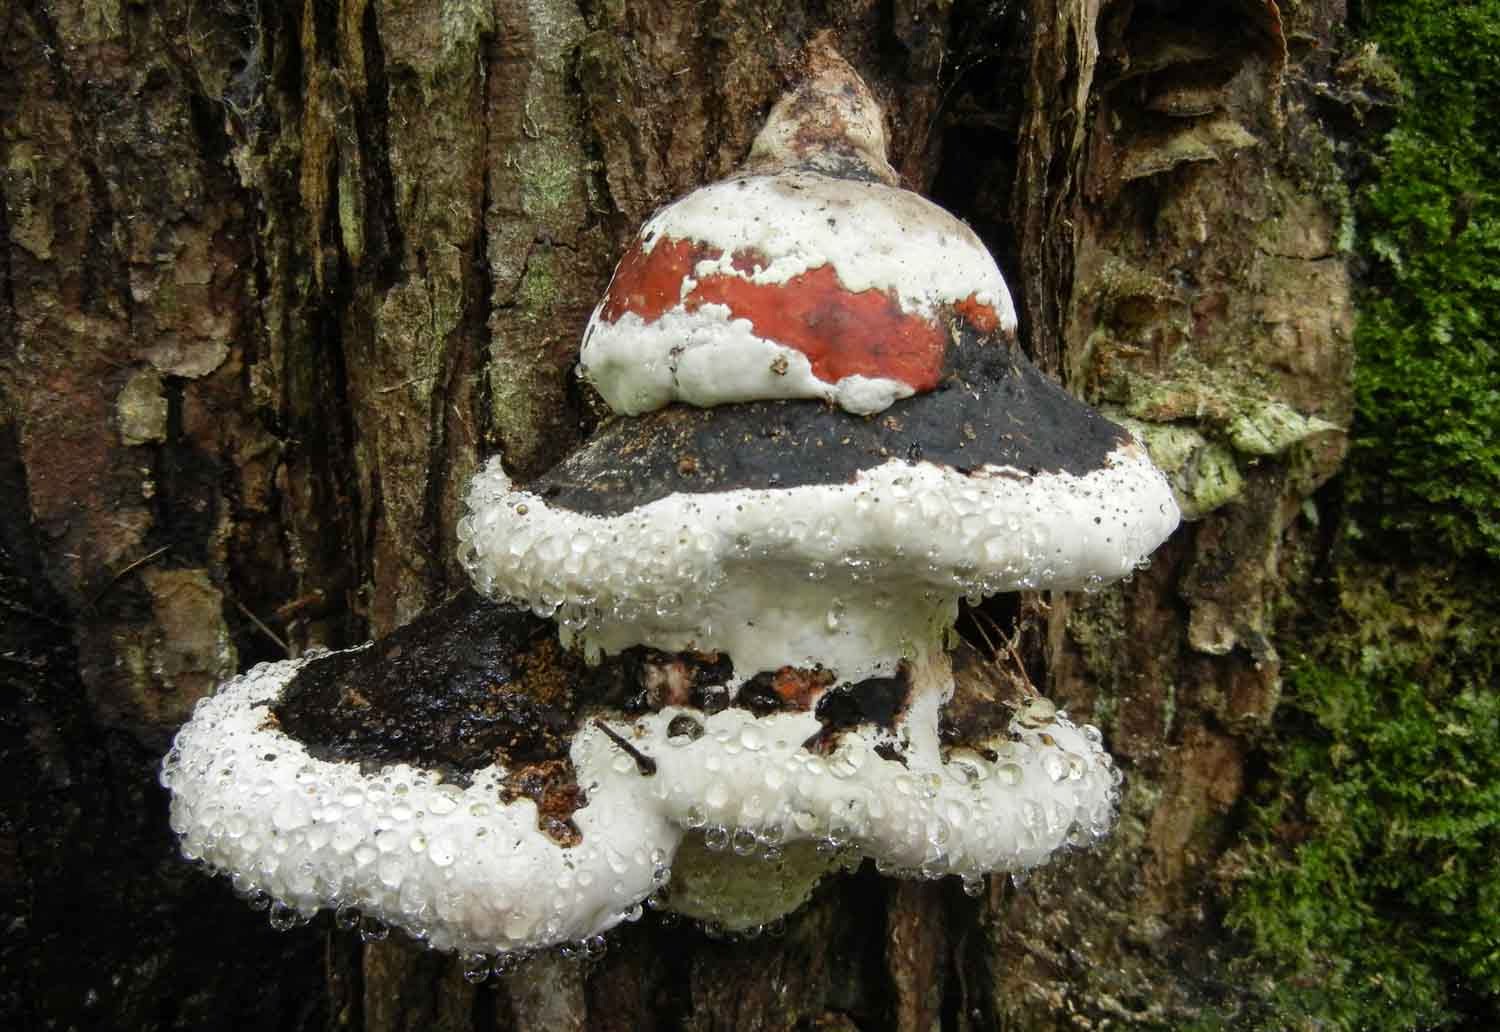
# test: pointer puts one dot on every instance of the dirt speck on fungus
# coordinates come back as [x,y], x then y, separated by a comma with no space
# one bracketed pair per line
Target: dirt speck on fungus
[553,786]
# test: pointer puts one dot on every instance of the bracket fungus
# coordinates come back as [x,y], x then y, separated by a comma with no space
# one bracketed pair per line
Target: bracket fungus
[718,657]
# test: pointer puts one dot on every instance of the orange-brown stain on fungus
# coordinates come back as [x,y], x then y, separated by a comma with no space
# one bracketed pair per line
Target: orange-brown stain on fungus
[798,689]
[547,674]
[553,786]
[842,332]
[981,316]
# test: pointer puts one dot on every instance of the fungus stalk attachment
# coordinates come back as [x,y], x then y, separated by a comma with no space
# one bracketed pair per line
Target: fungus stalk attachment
[709,655]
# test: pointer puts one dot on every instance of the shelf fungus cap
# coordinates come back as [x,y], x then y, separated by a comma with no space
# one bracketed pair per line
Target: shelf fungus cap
[826,438]
[491,823]
[450,864]
[810,274]
[794,533]
[828,435]
[532,800]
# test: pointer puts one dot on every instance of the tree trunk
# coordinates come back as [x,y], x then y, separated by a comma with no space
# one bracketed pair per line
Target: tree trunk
[277,277]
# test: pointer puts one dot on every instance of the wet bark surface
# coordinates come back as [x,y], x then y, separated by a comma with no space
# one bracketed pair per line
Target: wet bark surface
[275,279]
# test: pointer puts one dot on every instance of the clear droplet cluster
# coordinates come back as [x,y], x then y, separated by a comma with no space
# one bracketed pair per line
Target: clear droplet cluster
[453,866]
[656,575]
[459,869]
[751,788]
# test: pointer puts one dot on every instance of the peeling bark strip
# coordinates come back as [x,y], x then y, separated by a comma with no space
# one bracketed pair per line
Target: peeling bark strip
[274,276]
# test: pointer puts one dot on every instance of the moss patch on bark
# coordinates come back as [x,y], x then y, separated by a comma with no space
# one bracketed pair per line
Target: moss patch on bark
[1369,878]
[1427,455]
[1367,883]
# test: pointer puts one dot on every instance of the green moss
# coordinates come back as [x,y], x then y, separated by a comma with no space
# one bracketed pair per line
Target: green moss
[1427,453]
[552,178]
[1370,884]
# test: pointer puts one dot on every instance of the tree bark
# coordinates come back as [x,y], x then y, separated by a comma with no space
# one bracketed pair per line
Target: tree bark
[277,277]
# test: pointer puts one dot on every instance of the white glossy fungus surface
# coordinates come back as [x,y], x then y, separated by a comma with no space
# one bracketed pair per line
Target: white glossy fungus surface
[708,357]
[874,237]
[847,576]
[459,869]
[747,779]
[453,866]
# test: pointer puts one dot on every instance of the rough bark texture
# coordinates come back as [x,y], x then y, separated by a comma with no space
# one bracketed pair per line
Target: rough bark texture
[275,277]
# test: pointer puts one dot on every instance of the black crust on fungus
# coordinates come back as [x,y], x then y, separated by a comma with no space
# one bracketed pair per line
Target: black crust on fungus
[462,686]
[474,682]
[468,684]
[994,408]
[789,689]
[758,695]
[876,701]
[852,165]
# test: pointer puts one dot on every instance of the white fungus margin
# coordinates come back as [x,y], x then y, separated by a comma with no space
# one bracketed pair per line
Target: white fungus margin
[708,357]
[846,576]
[749,779]
[454,866]
[457,868]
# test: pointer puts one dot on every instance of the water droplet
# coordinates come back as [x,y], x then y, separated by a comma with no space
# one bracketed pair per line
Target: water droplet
[477,967]
[281,916]
[744,842]
[1036,712]
[683,729]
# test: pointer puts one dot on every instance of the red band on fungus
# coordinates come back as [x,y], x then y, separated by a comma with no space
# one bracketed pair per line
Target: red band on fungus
[980,315]
[842,333]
